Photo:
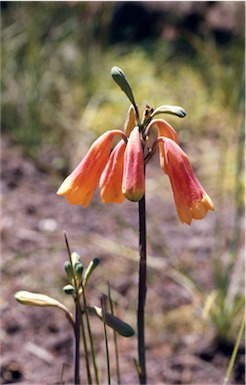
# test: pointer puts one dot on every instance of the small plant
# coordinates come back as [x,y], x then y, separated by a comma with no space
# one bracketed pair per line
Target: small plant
[121,174]
[80,321]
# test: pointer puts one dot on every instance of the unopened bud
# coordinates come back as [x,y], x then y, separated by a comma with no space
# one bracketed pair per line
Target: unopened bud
[119,77]
[69,289]
[92,265]
[68,270]
[173,110]
[75,258]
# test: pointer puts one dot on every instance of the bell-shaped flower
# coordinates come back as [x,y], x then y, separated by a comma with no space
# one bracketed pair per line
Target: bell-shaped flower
[191,200]
[133,183]
[111,178]
[80,185]
[166,130]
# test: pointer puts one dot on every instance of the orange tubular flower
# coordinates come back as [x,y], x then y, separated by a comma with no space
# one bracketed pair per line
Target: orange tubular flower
[166,130]
[133,183]
[190,198]
[80,185]
[111,178]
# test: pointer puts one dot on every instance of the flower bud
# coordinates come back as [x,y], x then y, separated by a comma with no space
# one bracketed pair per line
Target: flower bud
[119,77]
[172,110]
[75,258]
[68,270]
[69,289]
[92,265]
[133,183]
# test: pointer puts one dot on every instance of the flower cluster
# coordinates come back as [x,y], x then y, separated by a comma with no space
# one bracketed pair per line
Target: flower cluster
[120,173]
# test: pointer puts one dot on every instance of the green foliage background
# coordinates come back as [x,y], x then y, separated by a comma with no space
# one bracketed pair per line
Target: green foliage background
[58,96]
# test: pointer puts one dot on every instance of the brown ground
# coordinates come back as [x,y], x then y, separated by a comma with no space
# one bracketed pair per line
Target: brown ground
[36,343]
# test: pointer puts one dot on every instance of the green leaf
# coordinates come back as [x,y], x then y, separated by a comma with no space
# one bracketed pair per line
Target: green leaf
[114,322]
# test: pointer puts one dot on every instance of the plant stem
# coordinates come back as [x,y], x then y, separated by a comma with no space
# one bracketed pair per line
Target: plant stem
[142,288]
[80,321]
[115,338]
[76,346]
[90,337]
[106,342]
[235,351]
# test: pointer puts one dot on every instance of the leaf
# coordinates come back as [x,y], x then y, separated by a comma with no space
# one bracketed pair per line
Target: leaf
[114,322]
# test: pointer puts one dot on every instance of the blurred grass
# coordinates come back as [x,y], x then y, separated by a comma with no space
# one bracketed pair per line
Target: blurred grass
[58,95]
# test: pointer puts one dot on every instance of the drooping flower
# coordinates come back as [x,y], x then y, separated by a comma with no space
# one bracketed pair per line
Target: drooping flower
[133,183]
[111,178]
[80,185]
[166,130]
[191,200]
[121,173]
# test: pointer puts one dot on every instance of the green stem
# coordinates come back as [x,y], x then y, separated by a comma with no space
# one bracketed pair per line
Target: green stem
[85,346]
[76,347]
[115,338]
[142,288]
[234,353]
[90,337]
[106,341]
[79,316]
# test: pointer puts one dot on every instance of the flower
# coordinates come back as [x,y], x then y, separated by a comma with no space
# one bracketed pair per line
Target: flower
[111,178]
[80,185]
[191,200]
[166,130]
[120,173]
[133,182]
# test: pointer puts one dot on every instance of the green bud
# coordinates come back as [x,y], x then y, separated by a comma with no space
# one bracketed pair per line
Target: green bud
[92,265]
[68,270]
[75,258]
[78,268]
[69,289]
[173,110]
[115,323]
[119,77]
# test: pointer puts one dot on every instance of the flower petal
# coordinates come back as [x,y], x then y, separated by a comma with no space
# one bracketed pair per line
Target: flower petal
[133,183]
[130,121]
[80,185]
[167,131]
[191,200]
[111,178]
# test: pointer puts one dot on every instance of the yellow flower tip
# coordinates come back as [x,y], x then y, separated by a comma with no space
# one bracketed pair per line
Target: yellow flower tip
[133,195]
[65,186]
[133,181]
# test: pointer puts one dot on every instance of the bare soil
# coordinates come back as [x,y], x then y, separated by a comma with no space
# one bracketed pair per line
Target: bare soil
[37,343]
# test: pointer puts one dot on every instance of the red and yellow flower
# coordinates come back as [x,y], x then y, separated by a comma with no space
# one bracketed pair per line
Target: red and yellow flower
[120,172]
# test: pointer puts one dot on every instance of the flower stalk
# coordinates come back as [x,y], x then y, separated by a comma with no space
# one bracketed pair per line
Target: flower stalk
[142,289]
[120,174]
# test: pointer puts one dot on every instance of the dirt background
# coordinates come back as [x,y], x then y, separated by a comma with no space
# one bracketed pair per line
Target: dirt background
[37,343]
